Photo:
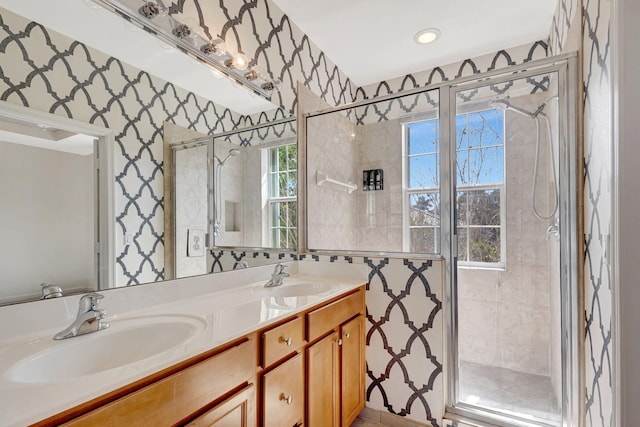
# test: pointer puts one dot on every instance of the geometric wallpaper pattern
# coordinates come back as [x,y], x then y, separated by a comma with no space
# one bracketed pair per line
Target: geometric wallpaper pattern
[273,44]
[404,302]
[405,324]
[49,72]
[598,145]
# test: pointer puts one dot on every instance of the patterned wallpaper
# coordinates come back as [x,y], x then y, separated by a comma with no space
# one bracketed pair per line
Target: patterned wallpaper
[598,143]
[65,77]
[260,30]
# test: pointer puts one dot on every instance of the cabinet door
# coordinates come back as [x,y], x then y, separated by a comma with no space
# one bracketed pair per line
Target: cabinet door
[236,411]
[353,369]
[284,394]
[323,405]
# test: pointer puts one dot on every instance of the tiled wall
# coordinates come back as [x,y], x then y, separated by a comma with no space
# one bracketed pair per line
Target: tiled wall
[504,314]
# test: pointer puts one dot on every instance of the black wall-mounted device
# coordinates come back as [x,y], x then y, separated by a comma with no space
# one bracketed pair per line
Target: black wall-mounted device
[372,180]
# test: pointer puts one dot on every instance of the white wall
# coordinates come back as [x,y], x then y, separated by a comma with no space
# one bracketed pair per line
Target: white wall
[627,231]
[47,219]
[191,176]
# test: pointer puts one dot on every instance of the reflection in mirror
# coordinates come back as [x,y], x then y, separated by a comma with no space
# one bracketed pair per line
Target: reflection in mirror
[359,184]
[227,194]
[255,187]
[99,76]
[54,177]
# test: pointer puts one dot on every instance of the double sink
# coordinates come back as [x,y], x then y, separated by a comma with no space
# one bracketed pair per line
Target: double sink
[129,340]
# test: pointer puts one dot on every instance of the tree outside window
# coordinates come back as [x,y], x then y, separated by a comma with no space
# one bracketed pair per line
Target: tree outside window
[479,178]
[283,206]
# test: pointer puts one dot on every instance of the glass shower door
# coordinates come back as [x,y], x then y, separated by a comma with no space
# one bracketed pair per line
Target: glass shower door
[508,162]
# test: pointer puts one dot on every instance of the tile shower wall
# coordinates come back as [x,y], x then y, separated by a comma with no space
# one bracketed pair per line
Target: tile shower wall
[513,305]
[395,389]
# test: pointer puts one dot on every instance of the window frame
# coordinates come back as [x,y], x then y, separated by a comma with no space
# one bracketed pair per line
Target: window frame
[408,191]
[273,234]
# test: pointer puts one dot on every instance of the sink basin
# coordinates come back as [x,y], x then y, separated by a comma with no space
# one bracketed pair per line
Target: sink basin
[124,342]
[300,289]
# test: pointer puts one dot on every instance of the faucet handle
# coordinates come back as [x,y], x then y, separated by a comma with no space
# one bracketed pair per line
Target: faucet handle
[89,301]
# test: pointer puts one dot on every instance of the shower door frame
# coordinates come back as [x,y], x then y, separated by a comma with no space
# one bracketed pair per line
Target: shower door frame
[569,187]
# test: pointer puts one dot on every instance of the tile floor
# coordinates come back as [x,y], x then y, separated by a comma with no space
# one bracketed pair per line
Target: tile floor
[510,391]
[491,387]
[372,418]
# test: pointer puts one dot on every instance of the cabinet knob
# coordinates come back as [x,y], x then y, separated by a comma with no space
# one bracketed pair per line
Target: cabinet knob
[340,341]
[287,399]
[287,341]
[347,334]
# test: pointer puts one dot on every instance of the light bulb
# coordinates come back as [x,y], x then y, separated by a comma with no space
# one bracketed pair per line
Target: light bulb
[214,47]
[237,62]
[426,36]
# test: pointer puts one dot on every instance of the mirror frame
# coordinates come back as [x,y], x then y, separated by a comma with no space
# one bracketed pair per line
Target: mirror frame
[104,221]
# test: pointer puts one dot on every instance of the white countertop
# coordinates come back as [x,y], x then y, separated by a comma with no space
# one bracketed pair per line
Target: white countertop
[222,307]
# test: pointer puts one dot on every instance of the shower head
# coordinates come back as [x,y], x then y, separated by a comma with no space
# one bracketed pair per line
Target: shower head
[504,105]
[232,153]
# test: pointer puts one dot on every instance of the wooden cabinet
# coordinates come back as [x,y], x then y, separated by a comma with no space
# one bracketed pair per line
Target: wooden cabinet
[283,397]
[336,363]
[323,404]
[181,396]
[282,341]
[236,411]
[352,369]
[308,369]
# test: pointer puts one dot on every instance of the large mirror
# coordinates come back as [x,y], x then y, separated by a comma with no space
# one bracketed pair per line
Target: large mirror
[236,192]
[55,181]
[71,223]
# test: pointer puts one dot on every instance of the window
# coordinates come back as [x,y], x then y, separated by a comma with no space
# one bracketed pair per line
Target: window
[283,212]
[423,186]
[479,180]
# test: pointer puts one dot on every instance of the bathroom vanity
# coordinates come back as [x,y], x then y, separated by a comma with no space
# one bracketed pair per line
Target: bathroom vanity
[242,356]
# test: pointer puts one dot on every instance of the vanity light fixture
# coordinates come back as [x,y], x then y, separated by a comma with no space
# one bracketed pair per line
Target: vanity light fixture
[154,18]
[149,10]
[237,62]
[251,75]
[427,36]
[181,31]
[215,47]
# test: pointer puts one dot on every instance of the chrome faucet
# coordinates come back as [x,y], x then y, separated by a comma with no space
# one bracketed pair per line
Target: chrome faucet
[50,291]
[89,318]
[278,275]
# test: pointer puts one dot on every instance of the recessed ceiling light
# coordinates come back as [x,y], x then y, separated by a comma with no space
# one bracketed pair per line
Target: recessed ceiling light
[427,36]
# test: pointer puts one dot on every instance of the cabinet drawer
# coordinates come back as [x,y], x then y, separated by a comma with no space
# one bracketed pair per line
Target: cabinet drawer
[282,341]
[284,394]
[236,411]
[173,399]
[330,316]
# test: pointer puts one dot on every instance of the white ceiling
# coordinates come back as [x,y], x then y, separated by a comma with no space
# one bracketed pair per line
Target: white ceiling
[372,40]
[369,40]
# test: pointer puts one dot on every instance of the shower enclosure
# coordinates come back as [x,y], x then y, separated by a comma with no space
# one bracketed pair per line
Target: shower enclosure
[481,171]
